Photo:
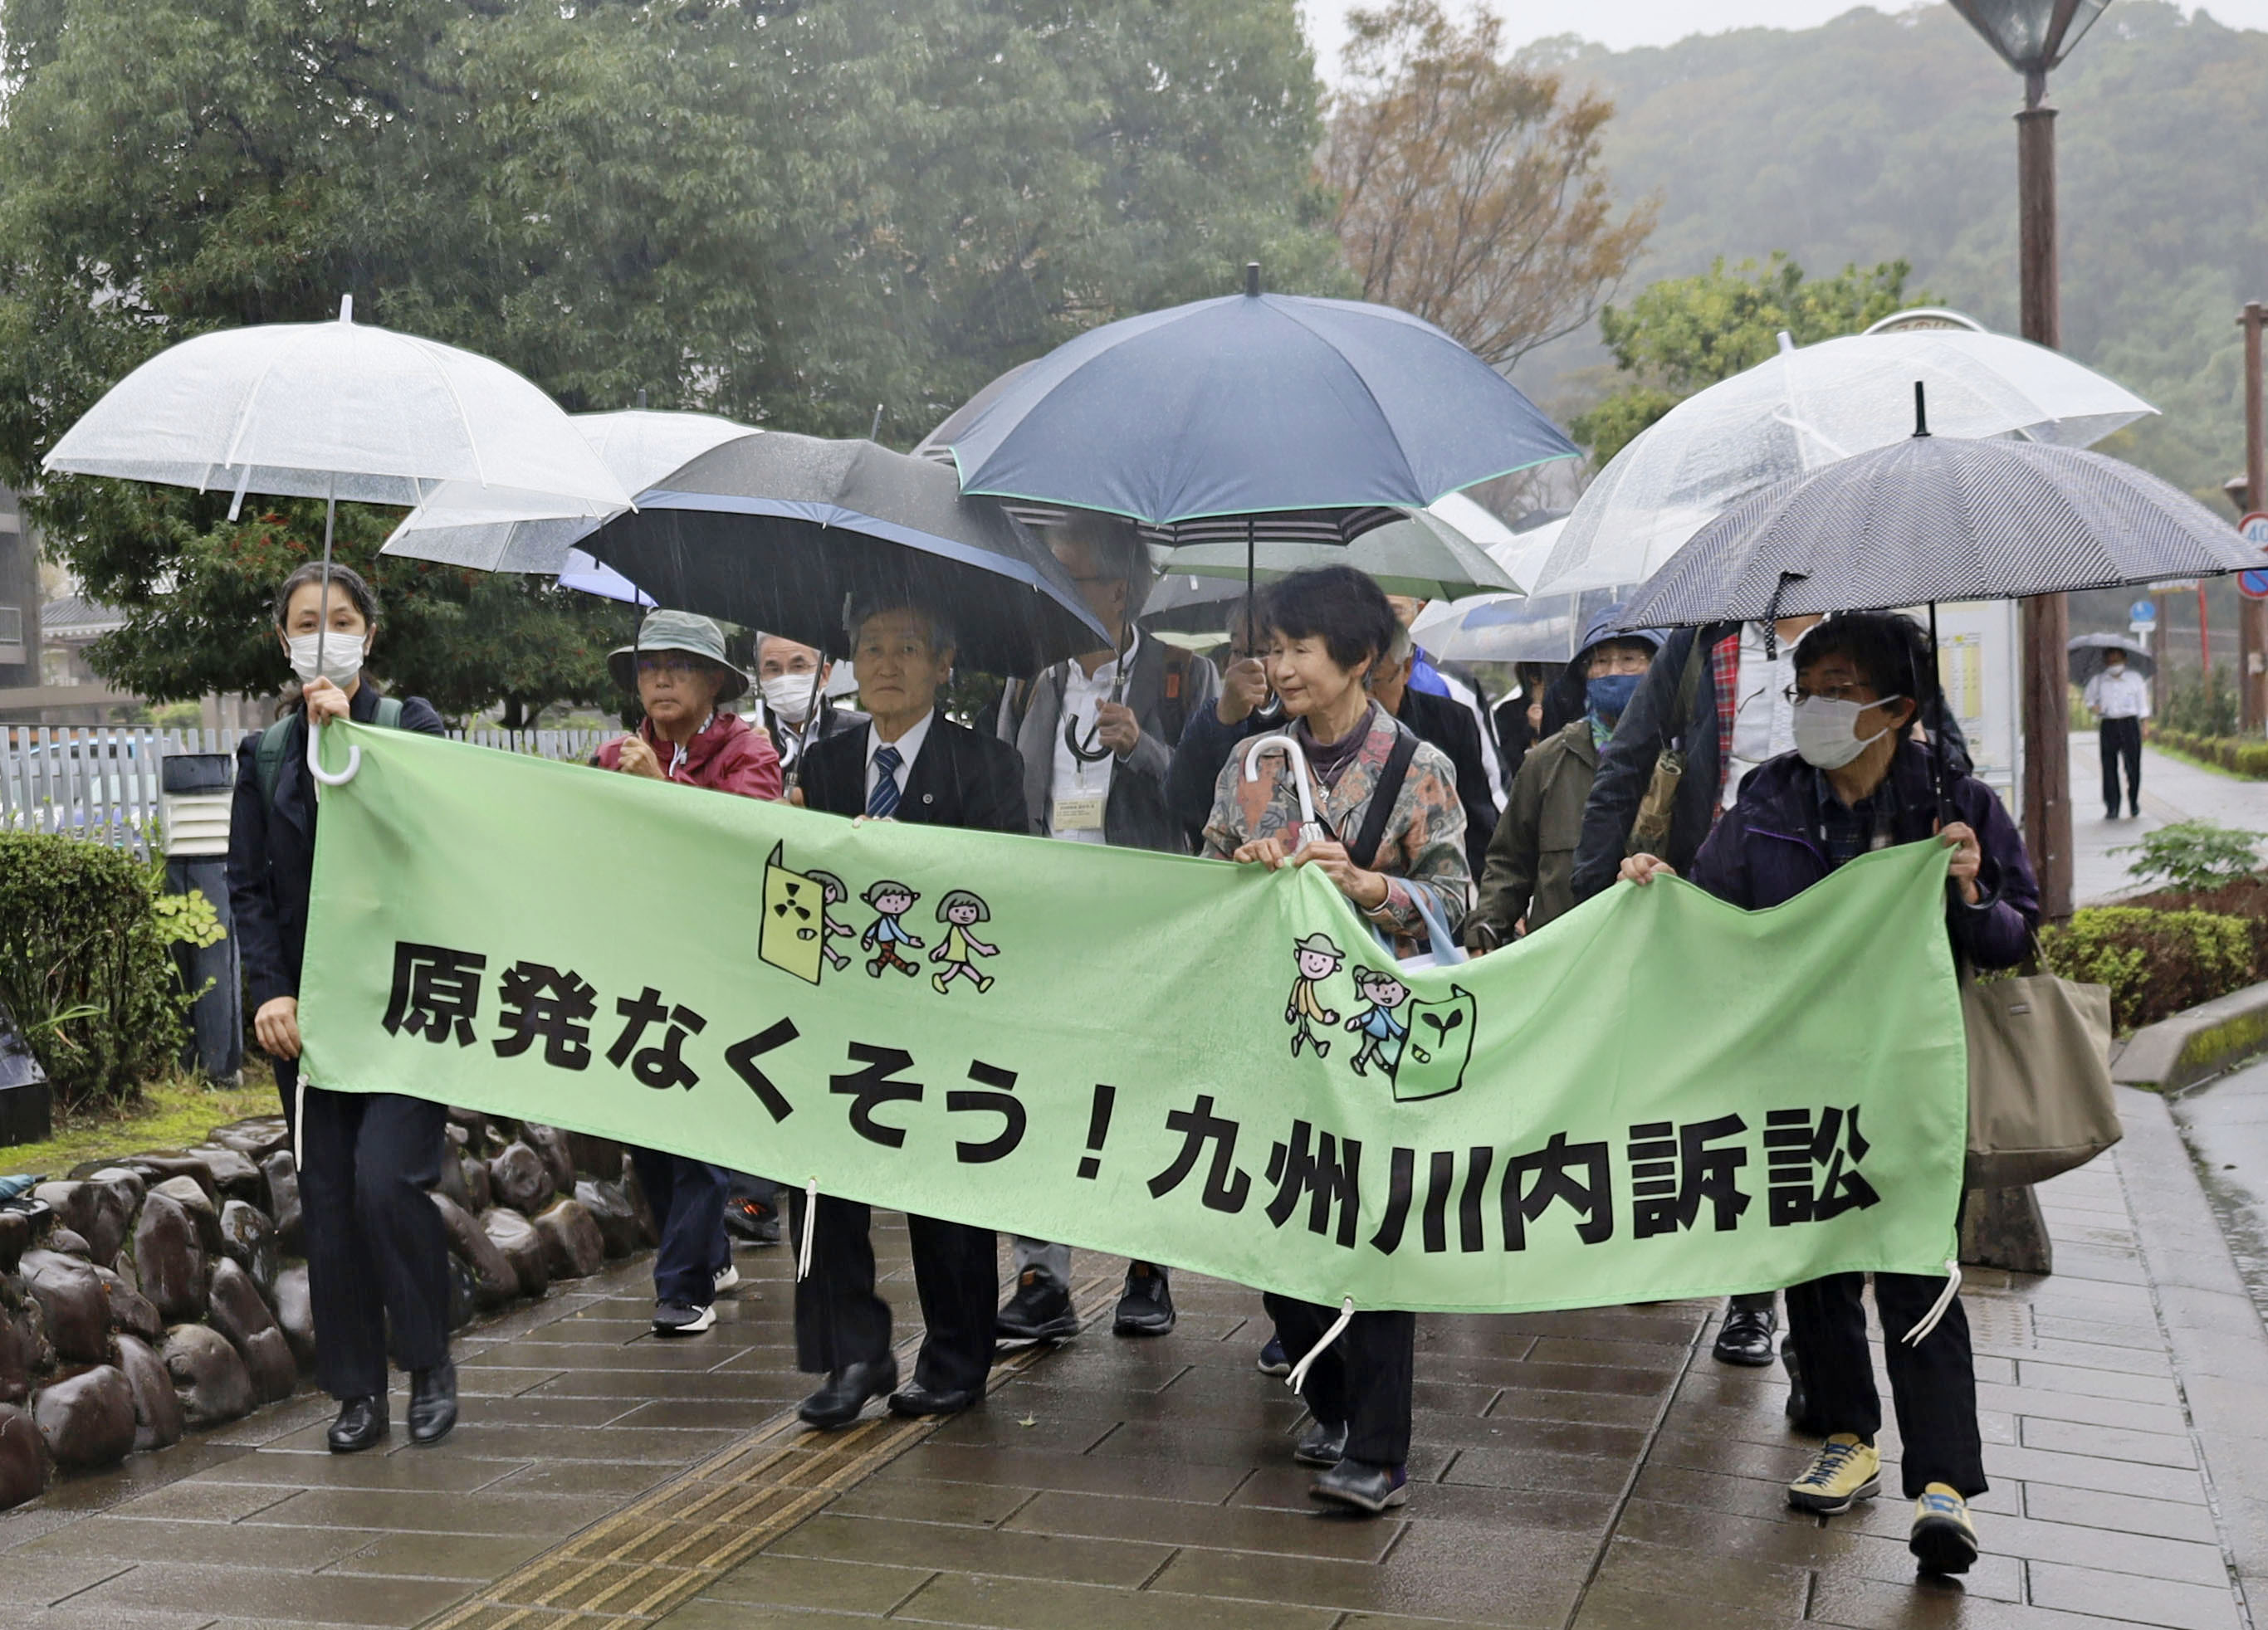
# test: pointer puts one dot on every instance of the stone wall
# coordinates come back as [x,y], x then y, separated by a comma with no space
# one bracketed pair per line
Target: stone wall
[165,1292]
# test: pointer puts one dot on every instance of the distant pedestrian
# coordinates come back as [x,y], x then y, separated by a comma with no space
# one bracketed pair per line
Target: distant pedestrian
[1857,782]
[378,1256]
[2120,698]
[678,671]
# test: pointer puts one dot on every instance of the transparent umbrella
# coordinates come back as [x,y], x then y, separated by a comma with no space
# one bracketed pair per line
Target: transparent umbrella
[1420,555]
[1807,408]
[333,410]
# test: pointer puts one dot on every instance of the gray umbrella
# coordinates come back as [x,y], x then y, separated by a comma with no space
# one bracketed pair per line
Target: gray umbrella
[780,531]
[2089,651]
[1938,518]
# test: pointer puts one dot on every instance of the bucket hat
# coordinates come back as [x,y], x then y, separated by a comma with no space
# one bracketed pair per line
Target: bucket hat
[677,631]
[1604,628]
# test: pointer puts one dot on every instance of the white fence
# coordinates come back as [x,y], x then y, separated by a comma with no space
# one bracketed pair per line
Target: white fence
[104,784]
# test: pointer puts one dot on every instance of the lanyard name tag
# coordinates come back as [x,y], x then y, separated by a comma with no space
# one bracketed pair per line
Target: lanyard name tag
[1080,813]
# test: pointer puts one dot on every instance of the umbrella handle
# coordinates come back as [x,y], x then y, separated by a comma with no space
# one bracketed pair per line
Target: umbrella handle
[1311,830]
[315,759]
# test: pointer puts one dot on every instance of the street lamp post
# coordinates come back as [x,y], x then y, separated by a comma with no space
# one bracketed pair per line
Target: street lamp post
[2004,1228]
[2033,36]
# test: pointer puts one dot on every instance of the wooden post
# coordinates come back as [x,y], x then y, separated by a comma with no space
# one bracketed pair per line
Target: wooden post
[2252,618]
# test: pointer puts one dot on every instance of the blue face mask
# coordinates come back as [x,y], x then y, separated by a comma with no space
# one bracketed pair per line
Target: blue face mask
[1609,694]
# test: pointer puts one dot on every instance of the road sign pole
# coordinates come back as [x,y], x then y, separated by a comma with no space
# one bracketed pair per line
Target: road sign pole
[2252,616]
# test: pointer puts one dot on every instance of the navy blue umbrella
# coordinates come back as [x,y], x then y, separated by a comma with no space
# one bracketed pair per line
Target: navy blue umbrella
[1251,405]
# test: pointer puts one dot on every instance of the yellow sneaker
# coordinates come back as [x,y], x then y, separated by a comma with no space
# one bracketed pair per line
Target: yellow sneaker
[1943,1540]
[1843,1472]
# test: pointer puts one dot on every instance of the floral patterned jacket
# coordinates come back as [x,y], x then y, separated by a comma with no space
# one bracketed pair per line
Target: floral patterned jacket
[1424,846]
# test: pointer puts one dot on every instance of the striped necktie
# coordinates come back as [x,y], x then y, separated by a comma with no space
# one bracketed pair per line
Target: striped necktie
[883,801]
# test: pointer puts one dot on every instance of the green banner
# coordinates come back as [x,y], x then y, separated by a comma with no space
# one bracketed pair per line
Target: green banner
[1176,1059]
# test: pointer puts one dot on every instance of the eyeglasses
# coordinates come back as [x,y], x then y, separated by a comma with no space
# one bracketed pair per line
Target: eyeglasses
[1831,693]
[669,662]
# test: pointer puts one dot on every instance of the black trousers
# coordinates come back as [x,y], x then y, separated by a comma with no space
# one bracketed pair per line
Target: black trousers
[2121,741]
[839,1320]
[378,1254]
[688,1198]
[1932,1383]
[1363,1378]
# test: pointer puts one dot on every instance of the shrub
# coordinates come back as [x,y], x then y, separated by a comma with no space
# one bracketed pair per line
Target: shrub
[2240,755]
[85,966]
[2195,853]
[2203,704]
[2156,963]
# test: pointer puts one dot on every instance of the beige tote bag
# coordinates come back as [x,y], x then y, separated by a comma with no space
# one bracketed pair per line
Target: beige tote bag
[2039,1076]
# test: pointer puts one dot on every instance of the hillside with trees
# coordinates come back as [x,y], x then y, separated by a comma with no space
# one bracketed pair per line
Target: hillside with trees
[1881,138]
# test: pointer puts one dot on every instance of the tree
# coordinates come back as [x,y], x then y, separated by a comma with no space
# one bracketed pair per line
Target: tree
[786,213]
[1683,334]
[1471,190]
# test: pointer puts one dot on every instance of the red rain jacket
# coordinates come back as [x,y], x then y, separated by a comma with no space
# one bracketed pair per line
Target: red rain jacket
[725,757]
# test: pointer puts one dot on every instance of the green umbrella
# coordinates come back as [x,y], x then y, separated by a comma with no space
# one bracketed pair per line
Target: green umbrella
[1420,555]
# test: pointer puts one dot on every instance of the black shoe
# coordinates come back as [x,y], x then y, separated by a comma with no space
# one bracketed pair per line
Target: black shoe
[433,1403]
[1747,1337]
[2135,811]
[361,1424]
[1147,1307]
[918,1399]
[753,1221]
[838,1402]
[1039,1311]
[1323,1444]
[2111,813]
[1361,1487]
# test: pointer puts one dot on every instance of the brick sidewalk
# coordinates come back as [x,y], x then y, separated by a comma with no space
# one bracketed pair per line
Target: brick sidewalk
[1593,1469]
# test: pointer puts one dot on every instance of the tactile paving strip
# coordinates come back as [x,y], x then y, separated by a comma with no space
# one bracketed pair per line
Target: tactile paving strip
[667,1547]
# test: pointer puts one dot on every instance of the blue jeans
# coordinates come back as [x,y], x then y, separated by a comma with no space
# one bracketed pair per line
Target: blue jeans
[688,1197]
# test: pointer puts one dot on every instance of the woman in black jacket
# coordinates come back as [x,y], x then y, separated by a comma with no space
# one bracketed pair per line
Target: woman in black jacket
[376,1248]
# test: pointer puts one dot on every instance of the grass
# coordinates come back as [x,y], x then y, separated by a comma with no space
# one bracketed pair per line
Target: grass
[2206,765]
[173,1113]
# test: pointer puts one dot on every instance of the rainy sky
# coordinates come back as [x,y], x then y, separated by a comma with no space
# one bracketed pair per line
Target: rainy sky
[1621,24]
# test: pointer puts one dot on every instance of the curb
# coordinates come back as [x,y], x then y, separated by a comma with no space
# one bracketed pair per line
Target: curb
[2197,1043]
[2220,1349]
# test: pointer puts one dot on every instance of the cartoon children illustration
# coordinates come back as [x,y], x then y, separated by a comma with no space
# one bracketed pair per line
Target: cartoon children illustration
[833,894]
[960,911]
[1383,1033]
[1318,959]
[890,901]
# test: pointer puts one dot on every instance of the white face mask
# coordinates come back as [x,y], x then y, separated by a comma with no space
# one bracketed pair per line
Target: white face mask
[342,656]
[789,694]
[1825,730]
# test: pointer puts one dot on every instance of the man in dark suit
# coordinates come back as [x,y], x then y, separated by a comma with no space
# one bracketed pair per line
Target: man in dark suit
[1450,726]
[907,763]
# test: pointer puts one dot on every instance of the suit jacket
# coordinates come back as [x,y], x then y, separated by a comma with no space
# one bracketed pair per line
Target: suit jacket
[271,851]
[1450,726]
[1135,814]
[961,779]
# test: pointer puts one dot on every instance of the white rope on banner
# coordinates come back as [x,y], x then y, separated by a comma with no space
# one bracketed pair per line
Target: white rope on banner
[1941,1307]
[810,1226]
[1298,1379]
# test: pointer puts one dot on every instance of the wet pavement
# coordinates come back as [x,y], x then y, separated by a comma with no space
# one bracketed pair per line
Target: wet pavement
[1590,1469]
[2225,1123]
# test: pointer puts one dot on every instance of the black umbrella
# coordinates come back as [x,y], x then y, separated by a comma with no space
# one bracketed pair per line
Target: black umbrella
[1938,518]
[784,532]
[2089,651]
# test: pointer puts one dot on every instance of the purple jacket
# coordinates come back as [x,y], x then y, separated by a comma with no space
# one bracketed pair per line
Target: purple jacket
[1766,849]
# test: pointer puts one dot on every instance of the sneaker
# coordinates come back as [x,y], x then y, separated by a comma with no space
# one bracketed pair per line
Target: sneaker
[1146,1308]
[1274,1360]
[1943,1539]
[1845,1472]
[1039,1311]
[728,1278]
[677,1318]
[752,1221]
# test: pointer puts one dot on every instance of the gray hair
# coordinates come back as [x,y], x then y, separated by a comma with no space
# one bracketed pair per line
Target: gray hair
[865,609]
[1400,648]
[1115,544]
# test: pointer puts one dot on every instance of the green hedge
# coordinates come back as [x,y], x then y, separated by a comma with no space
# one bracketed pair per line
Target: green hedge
[85,968]
[2156,963]
[2241,755]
